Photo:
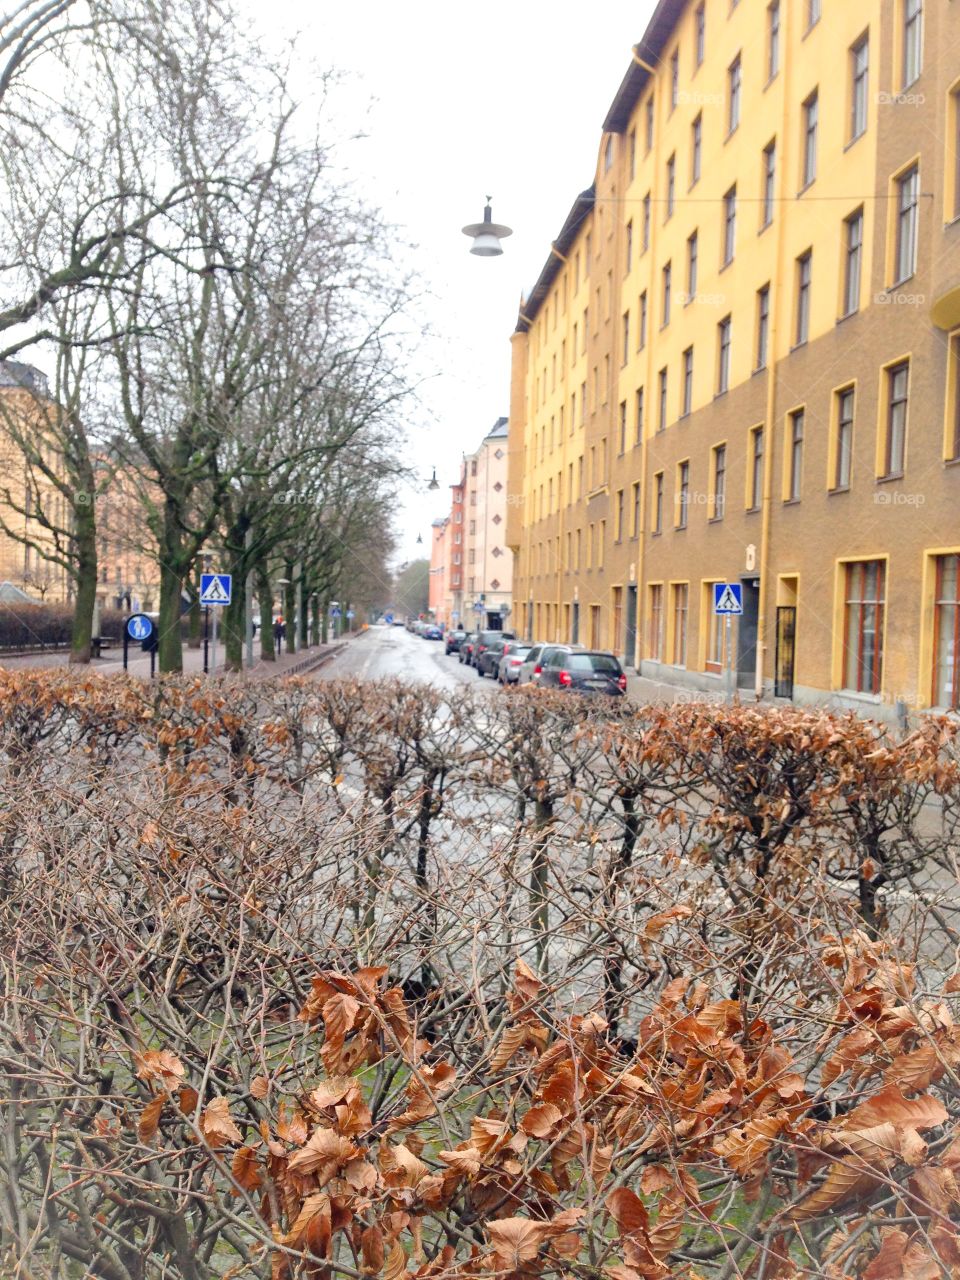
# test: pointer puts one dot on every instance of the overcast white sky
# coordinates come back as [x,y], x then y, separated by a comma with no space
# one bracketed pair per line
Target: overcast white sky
[458,101]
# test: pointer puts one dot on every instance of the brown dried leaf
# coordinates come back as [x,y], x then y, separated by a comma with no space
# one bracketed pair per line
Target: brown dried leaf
[540,1119]
[329,1092]
[162,1065]
[150,1118]
[216,1124]
[515,1241]
[259,1087]
[244,1169]
[628,1211]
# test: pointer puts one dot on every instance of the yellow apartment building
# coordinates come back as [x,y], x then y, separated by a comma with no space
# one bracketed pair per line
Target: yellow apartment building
[741,361]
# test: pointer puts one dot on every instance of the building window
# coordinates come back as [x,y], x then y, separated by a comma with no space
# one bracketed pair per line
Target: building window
[811,112]
[618,517]
[648,126]
[804,274]
[608,154]
[625,322]
[700,43]
[629,248]
[795,456]
[645,240]
[859,79]
[680,599]
[635,508]
[813,12]
[662,416]
[729,225]
[692,252]
[898,380]
[655,647]
[863,626]
[908,199]
[912,41]
[769,184]
[623,427]
[719,482]
[954,141]
[642,326]
[946,633]
[671,186]
[683,494]
[852,262]
[658,503]
[724,334]
[953,397]
[674,79]
[713,657]
[687,403]
[632,144]
[667,284]
[773,39]
[733,94]
[756,468]
[696,149]
[583,403]
[845,402]
[763,325]
[638,438]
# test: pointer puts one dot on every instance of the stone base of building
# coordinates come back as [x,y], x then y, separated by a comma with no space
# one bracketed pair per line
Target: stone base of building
[659,682]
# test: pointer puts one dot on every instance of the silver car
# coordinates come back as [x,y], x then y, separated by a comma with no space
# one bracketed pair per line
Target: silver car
[508,670]
[529,672]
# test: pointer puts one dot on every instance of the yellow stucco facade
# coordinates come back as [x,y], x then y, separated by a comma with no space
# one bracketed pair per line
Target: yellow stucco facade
[741,361]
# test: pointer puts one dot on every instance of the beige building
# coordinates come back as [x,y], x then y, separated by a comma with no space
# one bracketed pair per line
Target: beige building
[488,563]
[741,361]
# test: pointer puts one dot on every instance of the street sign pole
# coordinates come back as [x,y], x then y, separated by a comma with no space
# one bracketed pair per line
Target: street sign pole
[206,640]
[248,602]
[729,641]
[213,646]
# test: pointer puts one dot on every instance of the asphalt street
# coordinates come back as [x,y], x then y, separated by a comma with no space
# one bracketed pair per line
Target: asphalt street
[394,651]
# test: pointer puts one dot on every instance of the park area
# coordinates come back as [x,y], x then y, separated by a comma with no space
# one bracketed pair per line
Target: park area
[333,979]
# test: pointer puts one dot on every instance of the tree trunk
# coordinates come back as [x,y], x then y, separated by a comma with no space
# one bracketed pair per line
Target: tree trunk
[195,637]
[302,618]
[170,651]
[290,606]
[85,541]
[268,652]
[325,622]
[315,619]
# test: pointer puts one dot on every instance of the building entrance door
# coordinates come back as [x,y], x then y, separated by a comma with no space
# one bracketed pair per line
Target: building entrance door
[786,651]
[630,639]
[575,624]
[747,634]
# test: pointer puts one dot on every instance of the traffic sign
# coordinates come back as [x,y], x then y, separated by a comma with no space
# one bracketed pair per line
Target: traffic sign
[139,627]
[216,588]
[335,612]
[351,614]
[727,598]
[388,619]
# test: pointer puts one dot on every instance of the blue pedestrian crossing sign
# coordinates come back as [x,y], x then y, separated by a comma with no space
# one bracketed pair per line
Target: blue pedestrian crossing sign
[335,612]
[215,588]
[139,627]
[351,614]
[727,598]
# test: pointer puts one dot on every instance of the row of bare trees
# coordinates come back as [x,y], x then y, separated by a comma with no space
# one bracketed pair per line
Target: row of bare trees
[221,310]
[339,981]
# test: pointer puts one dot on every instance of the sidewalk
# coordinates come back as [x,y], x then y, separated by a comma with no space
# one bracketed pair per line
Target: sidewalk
[286,664]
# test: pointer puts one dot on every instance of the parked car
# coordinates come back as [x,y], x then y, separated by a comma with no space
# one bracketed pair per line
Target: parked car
[466,646]
[583,671]
[454,640]
[489,659]
[432,631]
[511,660]
[485,639]
[533,663]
